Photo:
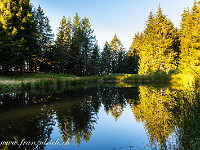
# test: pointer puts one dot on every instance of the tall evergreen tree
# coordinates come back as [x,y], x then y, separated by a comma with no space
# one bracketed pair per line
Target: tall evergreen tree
[135,52]
[94,62]
[121,62]
[158,46]
[63,44]
[19,27]
[190,40]
[115,47]
[75,51]
[106,59]
[5,50]
[74,46]
[44,40]
[88,44]
[132,61]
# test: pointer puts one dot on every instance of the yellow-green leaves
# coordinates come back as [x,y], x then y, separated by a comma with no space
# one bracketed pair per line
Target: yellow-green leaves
[14,32]
[190,40]
[156,45]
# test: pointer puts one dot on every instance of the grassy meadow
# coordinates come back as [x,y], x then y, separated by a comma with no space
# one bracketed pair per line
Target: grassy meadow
[45,81]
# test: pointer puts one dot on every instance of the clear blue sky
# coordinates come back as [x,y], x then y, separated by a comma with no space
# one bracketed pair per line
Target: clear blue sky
[109,17]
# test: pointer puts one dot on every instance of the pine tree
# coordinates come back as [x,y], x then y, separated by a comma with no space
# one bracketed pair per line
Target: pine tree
[115,47]
[189,39]
[132,61]
[19,27]
[137,50]
[63,44]
[44,39]
[75,50]
[88,42]
[94,62]
[106,59]
[158,45]
[121,62]
[5,49]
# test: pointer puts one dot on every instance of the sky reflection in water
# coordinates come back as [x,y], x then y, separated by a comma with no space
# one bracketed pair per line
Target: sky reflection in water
[143,117]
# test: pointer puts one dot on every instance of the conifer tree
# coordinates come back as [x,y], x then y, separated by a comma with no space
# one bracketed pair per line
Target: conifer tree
[63,45]
[115,47]
[94,62]
[5,49]
[190,40]
[137,51]
[158,48]
[83,42]
[44,39]
[106,59]
[75,50]
[132,63]
[19,27]
[164,38]
[121,62]
[88,44]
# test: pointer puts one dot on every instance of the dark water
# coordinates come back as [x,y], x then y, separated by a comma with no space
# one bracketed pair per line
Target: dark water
[101,118]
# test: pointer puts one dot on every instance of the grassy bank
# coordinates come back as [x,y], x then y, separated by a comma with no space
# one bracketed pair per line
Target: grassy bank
[185,81]
[136,78]
[18,82]
[45,81]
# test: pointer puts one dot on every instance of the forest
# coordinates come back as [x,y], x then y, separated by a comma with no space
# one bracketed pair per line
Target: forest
[28,45]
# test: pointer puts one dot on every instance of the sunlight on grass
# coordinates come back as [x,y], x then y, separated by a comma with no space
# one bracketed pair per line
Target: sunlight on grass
[184,82]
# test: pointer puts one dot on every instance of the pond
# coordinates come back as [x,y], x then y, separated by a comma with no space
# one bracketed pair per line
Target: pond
[101,118]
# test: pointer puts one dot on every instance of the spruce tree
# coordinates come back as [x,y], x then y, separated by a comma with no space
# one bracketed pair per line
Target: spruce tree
[17,20]
[164,39]
[88,44]
[132,61]
[157,46]
[44,39]
[138,54]
[94,62]
[121,62]
[190,39]
[75,50]
[106,59]
[115,47]
[5,49]
[63,45]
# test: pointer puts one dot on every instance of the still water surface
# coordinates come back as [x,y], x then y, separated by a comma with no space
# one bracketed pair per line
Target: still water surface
[101,118]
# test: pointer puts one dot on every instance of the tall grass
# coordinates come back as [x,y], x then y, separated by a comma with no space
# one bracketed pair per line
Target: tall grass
[185,81]
[151,78]
[45,81]
[60,83]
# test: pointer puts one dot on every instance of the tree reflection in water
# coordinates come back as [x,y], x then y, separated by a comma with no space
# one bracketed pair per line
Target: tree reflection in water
[162,111]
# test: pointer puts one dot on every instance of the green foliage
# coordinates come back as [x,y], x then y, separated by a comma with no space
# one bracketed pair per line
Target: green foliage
[75,46]
[114,58]
[105,59]
[116,49]
[189,38]
[26,43]
[43,59]
[132,61]
[150,78]
[94,62]
[19,41]
[63,43]
[157,45]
